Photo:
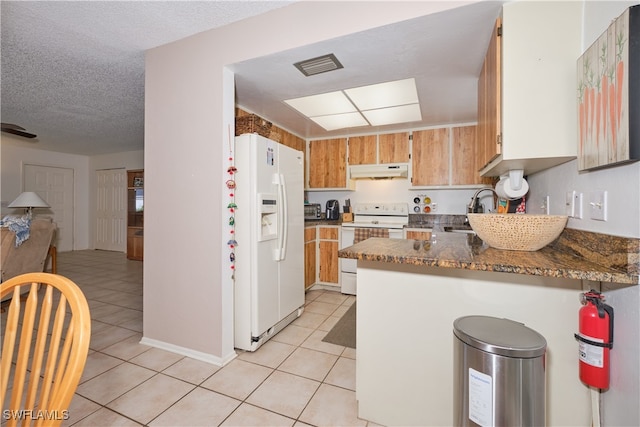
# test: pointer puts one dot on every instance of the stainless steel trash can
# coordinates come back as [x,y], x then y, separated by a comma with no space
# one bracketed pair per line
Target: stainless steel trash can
[499,373]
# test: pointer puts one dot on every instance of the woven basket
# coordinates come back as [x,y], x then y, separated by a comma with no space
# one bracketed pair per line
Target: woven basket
[253,124]
[275,136]
[516,232]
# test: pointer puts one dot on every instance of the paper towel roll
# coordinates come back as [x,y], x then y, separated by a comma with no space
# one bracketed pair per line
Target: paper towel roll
[504,189]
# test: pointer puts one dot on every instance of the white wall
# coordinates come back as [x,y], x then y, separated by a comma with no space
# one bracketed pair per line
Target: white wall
[418,389]
[16,153]
[620,402]
[622,184]
[189,113]
[397,191]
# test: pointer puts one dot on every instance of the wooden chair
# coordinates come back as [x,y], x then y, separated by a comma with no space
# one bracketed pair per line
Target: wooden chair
[48,357]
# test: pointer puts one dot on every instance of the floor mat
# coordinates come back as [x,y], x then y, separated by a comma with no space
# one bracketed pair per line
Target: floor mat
[344,332]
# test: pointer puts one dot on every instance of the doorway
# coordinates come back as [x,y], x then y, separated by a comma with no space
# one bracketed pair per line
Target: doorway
[111,209]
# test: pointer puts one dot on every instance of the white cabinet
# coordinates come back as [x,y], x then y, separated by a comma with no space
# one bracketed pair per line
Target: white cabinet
[541,42]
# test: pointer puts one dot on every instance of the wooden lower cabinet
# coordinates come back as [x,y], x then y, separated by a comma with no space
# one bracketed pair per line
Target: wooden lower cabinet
[417,234]
[135,214]
[328,243]
[321,243]
[309,256]
[135,243]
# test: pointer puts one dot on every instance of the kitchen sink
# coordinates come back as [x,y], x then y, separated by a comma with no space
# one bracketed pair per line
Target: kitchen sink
[463,230]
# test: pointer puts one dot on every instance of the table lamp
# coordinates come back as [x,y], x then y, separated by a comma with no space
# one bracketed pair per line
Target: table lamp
[28,200]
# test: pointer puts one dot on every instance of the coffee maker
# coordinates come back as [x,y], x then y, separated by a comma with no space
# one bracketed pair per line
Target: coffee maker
[333,210]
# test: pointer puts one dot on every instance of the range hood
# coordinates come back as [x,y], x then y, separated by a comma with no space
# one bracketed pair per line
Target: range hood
[387,171]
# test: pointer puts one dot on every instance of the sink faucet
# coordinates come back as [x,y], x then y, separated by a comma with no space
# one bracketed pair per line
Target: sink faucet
[475,206]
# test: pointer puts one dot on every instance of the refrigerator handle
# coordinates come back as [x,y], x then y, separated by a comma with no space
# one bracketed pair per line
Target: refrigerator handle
[281,250]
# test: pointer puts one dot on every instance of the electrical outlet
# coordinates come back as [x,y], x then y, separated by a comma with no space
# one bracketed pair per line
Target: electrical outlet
[577,206]
[570,203]
[598,205]
[545,205]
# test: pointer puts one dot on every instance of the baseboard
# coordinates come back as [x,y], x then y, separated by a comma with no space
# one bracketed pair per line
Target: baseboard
[324,286]
[198,355]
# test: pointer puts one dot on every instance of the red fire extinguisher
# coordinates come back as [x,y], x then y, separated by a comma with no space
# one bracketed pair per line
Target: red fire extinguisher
[595,339]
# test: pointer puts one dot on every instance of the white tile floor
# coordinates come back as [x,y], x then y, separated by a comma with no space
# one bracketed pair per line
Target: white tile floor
[295,379]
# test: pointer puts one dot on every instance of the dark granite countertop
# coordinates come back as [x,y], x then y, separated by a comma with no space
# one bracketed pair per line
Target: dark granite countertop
[314,222]
[574,255]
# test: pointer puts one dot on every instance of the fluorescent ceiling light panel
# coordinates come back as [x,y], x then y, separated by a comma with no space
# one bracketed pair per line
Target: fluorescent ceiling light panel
[323,104]
[340,121]
[399,92]
[381,104]
[391,115]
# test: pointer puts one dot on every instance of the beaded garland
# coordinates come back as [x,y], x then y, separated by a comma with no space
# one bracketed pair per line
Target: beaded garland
[231,206]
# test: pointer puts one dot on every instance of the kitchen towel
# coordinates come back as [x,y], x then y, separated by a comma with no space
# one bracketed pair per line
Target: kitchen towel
[361,234]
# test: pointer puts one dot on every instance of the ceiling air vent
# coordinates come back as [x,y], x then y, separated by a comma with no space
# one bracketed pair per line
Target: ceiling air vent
[321,64]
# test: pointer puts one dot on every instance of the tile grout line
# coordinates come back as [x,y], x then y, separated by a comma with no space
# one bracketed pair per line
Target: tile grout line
[103,279]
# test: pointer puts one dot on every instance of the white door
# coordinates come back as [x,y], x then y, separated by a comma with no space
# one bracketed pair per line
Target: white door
[111,210]
[55,186]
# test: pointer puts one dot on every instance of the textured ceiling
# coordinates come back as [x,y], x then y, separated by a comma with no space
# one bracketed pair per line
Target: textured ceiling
[443,51]
[73,72]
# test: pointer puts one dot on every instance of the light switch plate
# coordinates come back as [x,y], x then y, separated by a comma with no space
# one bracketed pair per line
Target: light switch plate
[546,205]
[598,205]
[570,204]
[577,206]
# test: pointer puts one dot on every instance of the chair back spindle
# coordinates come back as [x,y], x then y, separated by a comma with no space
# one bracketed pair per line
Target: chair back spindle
[44,348]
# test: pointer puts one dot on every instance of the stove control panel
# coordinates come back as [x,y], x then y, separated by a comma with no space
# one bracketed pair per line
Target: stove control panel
[394,209]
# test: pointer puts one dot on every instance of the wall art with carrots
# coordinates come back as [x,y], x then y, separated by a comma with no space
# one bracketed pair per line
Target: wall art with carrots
[609,95]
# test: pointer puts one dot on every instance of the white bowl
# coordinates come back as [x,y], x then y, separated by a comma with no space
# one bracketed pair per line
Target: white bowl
[517,232]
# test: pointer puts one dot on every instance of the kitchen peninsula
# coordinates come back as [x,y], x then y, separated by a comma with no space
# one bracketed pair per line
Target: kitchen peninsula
[411,291]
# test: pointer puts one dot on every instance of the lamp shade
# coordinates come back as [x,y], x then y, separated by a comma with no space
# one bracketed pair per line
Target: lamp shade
[28,199]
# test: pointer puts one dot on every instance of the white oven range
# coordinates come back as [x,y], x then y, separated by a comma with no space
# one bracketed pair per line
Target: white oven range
[369,220]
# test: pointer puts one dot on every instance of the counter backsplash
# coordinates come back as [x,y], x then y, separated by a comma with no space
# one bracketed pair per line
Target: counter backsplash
[431,220]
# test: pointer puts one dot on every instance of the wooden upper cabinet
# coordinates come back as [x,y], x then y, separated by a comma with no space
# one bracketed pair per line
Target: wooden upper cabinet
[328,163]
[490,101]
[292,141]
[379,149]
[363,150]
[393,147]
[464,159]
[430,157]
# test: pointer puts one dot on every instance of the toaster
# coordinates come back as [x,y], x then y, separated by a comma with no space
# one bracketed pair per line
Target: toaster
[312,211]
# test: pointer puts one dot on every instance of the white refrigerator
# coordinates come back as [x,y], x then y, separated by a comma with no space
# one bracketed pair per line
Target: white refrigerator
[269,230]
